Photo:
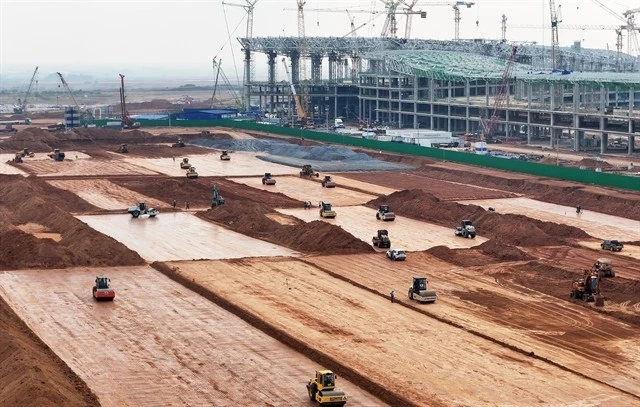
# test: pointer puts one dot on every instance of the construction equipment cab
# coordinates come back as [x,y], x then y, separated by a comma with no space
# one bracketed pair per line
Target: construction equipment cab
[466,229]
[102,290]
[307,171]
[57,155]
[382,240]
[419,291]
[225,155]
[602,267]
[326,210]
[192,173]
[327,182]
[587,288]
[384,213]
[216,200]
[322,389]
[268,179]
[142,209]
[184,164]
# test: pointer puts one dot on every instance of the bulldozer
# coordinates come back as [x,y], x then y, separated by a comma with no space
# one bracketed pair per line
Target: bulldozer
[307,171]
[225,155]
[587,288]
[180,143]
[382,240]
[603,268]
[322,389]
[217,200]
[123,149]
[102,290]
[191,173]
[419,291]
[18,158]
[326,210]
[327,182]
[384,213]
[268,179]
[142,209]
[57,155]
[184,164]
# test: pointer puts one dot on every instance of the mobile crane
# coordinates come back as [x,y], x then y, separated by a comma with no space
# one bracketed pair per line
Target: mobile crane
[22,104]
[302,115]
[86,116]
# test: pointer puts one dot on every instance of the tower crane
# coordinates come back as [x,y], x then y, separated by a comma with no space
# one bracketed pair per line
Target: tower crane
[22,104]
[554,32]
[302,38]
[456,12]
[501,95]
[353,24]
[632,39]
[302,115]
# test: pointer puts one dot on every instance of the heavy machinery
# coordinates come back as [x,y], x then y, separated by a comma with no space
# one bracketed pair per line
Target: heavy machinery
[18,158]
[22,104]
[180,143]
[587,288]
[613,245]
[307,171]
[142,209]
[327,182]
[396,254]
[326,210]
[268,179]
[419,291]
[217,200]
[127,121]
[322,389]
[303,120]
[26,153]
[102,290]
[86,116]
[384,213]
[382,240]
[466,229]
[602,268]
[123,149]
[57,155]
[225,156]
[184,164]
[8,128]
[192,173]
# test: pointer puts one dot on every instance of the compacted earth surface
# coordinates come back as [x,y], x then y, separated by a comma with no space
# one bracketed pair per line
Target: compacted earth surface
[237,300]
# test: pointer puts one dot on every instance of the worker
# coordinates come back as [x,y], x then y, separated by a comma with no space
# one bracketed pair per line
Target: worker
[578,209]
[392,295]
[186,204]
[174,204]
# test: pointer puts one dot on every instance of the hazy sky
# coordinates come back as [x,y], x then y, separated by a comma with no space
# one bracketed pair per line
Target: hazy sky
[147,36]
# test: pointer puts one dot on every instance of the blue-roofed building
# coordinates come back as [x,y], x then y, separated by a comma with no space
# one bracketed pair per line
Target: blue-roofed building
[205,114]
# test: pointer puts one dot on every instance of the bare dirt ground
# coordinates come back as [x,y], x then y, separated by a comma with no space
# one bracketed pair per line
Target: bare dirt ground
[81,167]
[180,236]
[382,340]
[405,233]
[629,250]
[159,344]
[105,194]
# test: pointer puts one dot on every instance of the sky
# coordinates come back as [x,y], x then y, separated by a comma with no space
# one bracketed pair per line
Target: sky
[160,38]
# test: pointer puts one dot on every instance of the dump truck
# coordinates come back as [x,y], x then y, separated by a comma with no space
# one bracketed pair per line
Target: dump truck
[141,209]
[307,171]
[179,143]
[466,229]
[225,155]
[102,290]
[216,200]
[327,182]
[326,210]
[381,239]
[184,164]
[322,389]
[419,291]
[123,149]
[384,213]
[587,288]
[602,267]
[192,173]
[57,155]
[268,179]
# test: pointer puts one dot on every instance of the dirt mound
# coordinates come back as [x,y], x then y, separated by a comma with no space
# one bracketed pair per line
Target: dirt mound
[503,252]
[590,163]
[31,374]
[598,200]
[80,245]
[517,230]
[38,140]
[249,218]
[488,252]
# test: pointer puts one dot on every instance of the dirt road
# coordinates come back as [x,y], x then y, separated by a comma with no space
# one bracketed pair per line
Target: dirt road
[105,194]
[158,343]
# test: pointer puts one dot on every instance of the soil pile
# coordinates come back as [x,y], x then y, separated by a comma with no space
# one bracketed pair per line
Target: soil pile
[488,252]
[517,230]
[590,163]
[31,374]
[503,252]
[38,140]
[599,200]
[249,218]
[80,245]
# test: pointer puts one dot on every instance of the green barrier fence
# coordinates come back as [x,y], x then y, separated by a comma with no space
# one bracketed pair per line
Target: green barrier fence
[532,168]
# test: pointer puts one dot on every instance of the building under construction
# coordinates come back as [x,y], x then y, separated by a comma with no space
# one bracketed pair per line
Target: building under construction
[591,101]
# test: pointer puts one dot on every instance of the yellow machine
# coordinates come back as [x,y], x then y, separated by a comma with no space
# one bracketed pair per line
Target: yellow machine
[191,172]
[225,155]
[18,158]
[57,155]
[123,149]
[326,211]
[184,164]
[322,389]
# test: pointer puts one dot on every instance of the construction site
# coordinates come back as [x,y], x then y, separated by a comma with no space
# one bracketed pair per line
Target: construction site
[235,263]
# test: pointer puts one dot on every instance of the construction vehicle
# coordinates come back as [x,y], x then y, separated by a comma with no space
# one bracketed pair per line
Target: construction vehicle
[57,155]
[18,158]
[123,149]
[419,291]
[192,173]
[307,171]
[303,120]
[587,288]
[225,155]
[466,229]
[268,179]
[142,209]
[382,240]
[327,182]
[26,153]
[22,104]
[180,143]
[613,245]
[86,116]
[322,389]
[602,267]
[184,164]
[326,210]
[217,200]
[102,290]
[8,128]
[384,213]
[127,121]
[396,254]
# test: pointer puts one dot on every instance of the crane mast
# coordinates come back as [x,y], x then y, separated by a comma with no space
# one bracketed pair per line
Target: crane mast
[22,104]
[554,34]
[127,122]
[302,115]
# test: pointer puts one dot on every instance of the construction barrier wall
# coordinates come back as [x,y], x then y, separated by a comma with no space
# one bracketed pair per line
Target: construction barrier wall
[532,168]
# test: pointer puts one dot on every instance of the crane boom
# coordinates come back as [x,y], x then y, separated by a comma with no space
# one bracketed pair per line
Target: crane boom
[300,110]
[503,91]
[22,104]
[66,86]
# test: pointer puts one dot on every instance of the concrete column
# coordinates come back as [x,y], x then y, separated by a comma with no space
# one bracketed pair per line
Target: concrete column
[529,130]
[529,96]
[431,99]
[271,76]
[333,60]
[295,67]
[316,68]
[604,141]
[632,143]
[247,78]
[486,89]
[631,103]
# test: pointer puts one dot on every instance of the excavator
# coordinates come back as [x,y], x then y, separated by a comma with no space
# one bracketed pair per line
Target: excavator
[322,389]
[102,290]
[587,288]
[217,200]
[307,171]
